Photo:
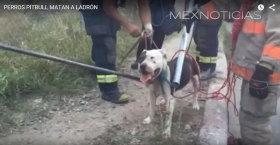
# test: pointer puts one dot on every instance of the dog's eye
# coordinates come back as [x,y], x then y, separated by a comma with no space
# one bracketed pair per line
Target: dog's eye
[152,57]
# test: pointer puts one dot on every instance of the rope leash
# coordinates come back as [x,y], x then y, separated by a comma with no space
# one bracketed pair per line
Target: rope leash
[132,48]
[217,95]
[229,83]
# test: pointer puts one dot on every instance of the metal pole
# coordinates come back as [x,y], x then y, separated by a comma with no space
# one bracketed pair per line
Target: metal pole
[132,48]
[186,39]
[62,60]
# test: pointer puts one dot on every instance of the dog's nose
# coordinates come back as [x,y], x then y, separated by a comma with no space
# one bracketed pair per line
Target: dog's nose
[143,66]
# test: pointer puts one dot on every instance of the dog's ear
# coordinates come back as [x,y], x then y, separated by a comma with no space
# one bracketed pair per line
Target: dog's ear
[142,56]
[143,53]
[163,53]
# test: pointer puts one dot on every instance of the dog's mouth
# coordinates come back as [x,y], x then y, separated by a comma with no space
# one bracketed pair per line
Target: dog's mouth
[148,77]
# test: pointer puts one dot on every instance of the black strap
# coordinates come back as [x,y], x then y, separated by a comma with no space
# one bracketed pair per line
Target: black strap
[121,3]
[201,2]
[186,5]
[198,2]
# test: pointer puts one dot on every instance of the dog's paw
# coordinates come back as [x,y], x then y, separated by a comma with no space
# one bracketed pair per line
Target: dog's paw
[195,106]
[148,120]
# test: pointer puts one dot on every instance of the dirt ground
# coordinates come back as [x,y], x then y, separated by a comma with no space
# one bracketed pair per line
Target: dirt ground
[88,120]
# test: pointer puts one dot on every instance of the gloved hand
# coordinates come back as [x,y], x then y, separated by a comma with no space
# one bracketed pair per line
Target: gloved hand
[259,81]
[190,19]
[148,29]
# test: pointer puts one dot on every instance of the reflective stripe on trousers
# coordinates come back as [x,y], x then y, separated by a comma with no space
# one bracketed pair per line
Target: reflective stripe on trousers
[206,59]
[107,78]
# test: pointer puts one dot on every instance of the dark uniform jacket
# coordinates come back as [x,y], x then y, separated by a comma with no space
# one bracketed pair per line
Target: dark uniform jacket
[97,22]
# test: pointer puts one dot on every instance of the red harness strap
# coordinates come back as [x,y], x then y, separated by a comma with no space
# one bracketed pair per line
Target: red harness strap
[236,28]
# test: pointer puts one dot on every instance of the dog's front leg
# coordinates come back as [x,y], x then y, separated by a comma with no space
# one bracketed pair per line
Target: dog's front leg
[170,103]
[153,99]
[195,104]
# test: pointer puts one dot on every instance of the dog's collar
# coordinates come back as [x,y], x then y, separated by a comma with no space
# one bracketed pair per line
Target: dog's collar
[162,76]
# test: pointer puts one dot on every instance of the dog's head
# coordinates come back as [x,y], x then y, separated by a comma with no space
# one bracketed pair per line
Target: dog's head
[151,64]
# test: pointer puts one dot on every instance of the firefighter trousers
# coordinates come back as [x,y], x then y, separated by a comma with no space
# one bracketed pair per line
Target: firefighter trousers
[206,38]
[104,55]
[255,115]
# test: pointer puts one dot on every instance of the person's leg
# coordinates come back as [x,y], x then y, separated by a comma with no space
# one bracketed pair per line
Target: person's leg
[143,44]
[206,39]
[104,55]
[255,116]
[158,38]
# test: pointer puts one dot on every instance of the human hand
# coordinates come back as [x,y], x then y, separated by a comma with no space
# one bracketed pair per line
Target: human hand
[148,29]
[259,82]
[133,30]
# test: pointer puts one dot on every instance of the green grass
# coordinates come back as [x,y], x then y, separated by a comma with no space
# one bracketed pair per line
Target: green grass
[60,34]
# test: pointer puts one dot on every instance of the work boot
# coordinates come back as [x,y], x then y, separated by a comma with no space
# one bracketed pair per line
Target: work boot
[208,74]
[115,97]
